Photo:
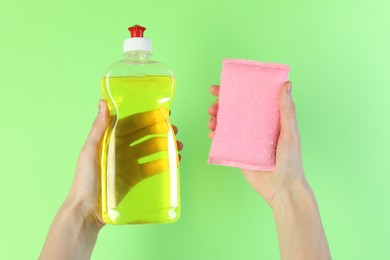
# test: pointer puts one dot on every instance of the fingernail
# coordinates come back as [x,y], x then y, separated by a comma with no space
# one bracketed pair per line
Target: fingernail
[289,88]
[101,107]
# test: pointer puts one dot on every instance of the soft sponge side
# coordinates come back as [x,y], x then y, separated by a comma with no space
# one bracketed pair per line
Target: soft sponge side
[248,117]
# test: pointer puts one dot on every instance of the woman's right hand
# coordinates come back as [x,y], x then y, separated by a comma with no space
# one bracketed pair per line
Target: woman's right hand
[289,167]
[295,210]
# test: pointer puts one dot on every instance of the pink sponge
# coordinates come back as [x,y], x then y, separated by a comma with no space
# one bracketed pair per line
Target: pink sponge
[248,115]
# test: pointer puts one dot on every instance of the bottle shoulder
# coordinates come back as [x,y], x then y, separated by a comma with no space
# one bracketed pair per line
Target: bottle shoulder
[135,67]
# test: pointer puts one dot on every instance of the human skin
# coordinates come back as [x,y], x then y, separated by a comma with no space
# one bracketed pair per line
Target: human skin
[286,190]
[76,226]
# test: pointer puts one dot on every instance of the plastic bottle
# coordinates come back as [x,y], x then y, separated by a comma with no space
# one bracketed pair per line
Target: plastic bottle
[140,165]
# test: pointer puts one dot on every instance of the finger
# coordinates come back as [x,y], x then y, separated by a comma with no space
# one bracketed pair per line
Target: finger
[156,129]
[154,145]
[288,120]
[175,129]
[211,134]
[214,90]
[130,124]
[151,146]
[99,125]
[213,109]
[154,167]
[212,123]
[179,145]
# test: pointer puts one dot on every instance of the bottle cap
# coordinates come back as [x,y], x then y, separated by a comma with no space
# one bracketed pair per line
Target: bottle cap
[137,31]
[137,42]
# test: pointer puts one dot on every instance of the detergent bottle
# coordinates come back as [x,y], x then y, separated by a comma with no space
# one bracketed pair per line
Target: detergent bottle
[140,163]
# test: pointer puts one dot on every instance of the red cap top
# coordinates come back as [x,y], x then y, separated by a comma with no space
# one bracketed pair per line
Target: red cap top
[137,31]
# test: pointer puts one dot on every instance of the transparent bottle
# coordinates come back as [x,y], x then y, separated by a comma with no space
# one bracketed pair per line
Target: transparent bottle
[140,164]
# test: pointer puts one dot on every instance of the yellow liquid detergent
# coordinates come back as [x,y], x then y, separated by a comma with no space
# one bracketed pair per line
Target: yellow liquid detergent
[140,166]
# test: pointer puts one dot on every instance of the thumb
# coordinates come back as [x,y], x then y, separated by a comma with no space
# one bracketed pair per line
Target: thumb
[99,125]
[288,120]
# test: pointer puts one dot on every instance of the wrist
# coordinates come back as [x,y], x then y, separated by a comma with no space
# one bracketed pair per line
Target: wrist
[82,212]
[294,194]
[72,234]
[298,223]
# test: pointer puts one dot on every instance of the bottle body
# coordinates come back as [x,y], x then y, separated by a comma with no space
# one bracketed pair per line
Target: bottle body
[140,165]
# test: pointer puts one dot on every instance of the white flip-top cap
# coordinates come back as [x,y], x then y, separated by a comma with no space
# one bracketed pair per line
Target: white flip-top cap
[137,42]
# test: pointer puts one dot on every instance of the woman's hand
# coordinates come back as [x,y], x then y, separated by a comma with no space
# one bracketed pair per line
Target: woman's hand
[295,210]
[288,156]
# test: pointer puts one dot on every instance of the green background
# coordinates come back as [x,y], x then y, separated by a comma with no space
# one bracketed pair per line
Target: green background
[52,54]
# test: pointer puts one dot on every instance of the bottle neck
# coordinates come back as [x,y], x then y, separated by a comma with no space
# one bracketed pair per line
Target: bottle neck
[137,55]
